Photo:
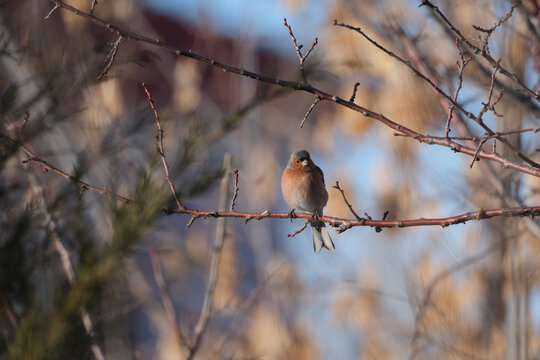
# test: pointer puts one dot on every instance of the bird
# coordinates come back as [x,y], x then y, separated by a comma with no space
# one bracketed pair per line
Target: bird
[302,185]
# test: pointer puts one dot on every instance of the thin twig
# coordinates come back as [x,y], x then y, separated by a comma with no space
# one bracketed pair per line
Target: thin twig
[317,100]
[378,228]
[347,202]
[301,58]
[477,150]
[47,166]
[461,64]
[191,221]
[110,57]
[25,121]
[299,230]
[93,6]
[56,6]
[487,105]
[159,141]
[353,96]
[206,310]
[166,296]
[235,194]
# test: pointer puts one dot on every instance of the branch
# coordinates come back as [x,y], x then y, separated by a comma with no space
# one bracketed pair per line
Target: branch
[306,88]
[347,201]
[67,265]
[488,171]
[93,6]
[301,58]
[165,296]
[110,57]
[482,52]
[461,64]
[487,137]
[235,194]
[353,95]
[441,92]
[47,166]
[161,152]
[317,100]
[340,223]
[206,310]
[299,230]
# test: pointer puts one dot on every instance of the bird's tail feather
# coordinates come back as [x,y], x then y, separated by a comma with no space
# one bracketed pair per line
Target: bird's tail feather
[321,238]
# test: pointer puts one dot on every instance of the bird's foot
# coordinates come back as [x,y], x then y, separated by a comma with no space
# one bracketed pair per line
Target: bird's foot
[292,215]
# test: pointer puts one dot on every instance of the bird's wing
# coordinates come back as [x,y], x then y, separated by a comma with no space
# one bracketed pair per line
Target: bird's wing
[319,171]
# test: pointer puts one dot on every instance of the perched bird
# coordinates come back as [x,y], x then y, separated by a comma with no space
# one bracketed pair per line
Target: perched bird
[302,185]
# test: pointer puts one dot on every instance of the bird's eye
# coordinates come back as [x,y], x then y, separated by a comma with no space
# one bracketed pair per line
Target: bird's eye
[297,161]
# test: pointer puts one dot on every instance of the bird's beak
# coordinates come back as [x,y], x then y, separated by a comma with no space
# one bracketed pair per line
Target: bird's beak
[305,163]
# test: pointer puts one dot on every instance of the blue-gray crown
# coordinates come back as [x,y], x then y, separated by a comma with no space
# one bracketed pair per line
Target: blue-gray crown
[300,154]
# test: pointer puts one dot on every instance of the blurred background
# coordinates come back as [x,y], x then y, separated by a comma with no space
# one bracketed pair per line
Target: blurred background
[82,274]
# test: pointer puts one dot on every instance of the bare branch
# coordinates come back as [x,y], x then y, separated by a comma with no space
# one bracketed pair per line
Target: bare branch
[110,57]
[442,93]
[347,202]
[344,224]
[192,220]
[461,67]
[488,104]
[67,265]
[340,223]
[93,6]
[159,141]
[235,194]
[308,88]
[301,58]
[56,6]
[165,296]
[483,52]
[353,96]
[206,310]
[498,23]
[317,100]
[47,166]
[477,150]
[299,230]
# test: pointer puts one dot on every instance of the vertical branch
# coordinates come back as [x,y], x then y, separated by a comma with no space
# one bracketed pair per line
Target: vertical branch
[67,266]
[111,56]
[235,194]
[353,95]
[461,63]
[206,310]
[159,141]
[93,6]
[165,296]
[301,58]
